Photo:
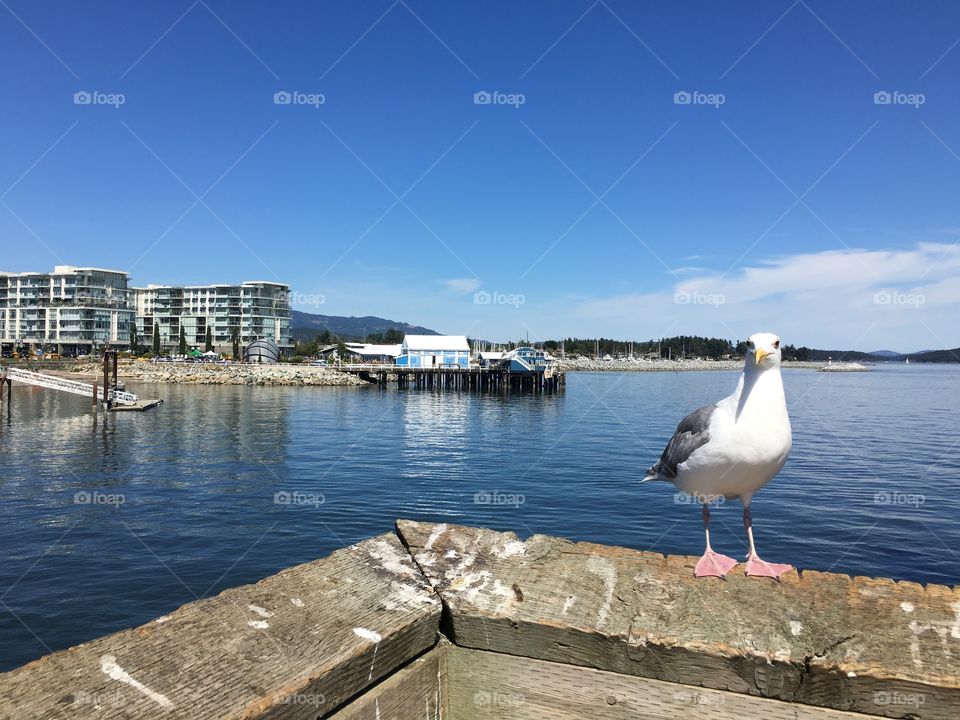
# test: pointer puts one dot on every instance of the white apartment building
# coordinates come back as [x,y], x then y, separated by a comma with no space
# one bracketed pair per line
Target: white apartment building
[71,310]
[253,310]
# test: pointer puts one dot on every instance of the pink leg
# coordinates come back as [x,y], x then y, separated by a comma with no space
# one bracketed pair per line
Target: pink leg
[756,566]
[712,564]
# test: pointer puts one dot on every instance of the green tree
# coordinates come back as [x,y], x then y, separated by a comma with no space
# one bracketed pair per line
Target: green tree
[156,337]
[341,351]
[208,342]
[236,344]
[326,338]
[182,345]
[392,337]
[133,337]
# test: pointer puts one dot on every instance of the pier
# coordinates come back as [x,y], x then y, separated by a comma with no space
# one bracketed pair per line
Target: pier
[110,393]
[442,621]
[471,379]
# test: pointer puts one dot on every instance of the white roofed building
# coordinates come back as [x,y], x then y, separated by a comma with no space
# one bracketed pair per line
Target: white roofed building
[425,351]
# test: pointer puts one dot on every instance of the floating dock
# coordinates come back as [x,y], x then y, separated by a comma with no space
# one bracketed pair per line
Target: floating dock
[139,406]
[441,621]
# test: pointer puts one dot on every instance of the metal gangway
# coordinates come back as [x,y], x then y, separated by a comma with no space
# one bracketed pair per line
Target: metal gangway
[28,377]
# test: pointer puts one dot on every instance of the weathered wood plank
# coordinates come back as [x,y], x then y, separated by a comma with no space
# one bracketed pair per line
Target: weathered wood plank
[509,687]
[415,692]
[324,630]
[864,645]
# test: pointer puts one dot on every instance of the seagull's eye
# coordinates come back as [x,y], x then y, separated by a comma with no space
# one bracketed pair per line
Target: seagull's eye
[750,344]
[776,345]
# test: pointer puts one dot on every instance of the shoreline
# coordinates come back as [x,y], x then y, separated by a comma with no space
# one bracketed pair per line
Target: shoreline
[210,374]
[308,375]
[589,365]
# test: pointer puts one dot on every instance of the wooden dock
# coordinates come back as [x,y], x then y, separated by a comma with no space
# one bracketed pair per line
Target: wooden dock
[447,622]
[470,379]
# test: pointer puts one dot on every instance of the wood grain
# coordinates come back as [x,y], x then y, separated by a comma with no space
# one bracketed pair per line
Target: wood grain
[866,645]
[508,687]
[293,646]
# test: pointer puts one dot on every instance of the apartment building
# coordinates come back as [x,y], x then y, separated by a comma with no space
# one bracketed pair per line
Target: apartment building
[253,310]
[71,310]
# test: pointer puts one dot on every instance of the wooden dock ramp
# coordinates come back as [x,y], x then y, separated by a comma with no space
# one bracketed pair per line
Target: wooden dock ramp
[449,622]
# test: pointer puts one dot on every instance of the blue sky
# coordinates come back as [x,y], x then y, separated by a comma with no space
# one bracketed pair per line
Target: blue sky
[785,195]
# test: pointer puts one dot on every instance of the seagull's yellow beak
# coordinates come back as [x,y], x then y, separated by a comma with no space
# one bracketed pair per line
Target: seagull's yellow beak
[760,354]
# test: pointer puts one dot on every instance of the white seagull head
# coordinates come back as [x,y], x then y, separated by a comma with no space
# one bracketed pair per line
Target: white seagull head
[763,351]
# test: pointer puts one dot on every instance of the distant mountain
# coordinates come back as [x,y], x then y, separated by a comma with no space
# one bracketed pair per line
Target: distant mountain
[937,356]
[306,326]
[885,353]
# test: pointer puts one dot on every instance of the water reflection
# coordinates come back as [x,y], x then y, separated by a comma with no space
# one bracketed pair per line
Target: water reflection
[200,476]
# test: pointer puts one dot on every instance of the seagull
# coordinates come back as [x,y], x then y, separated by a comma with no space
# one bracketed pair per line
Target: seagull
[731,449]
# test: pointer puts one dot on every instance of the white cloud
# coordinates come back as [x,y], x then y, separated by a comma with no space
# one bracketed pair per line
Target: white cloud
[462,286]
[868,299]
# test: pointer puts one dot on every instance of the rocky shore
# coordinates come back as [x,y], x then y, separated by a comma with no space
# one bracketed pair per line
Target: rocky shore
[588,364]
[210,374]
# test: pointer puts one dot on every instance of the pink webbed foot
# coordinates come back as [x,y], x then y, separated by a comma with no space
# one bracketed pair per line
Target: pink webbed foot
[713,564]
[761,568]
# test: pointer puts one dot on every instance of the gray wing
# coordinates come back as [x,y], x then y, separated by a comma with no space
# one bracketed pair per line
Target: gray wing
[692,432]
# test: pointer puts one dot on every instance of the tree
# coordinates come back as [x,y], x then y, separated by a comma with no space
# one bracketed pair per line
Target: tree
[133,337]
[182,345]
[156,337]
[326,338]
[341,351]
[208,343]
[392,337]
[236,344]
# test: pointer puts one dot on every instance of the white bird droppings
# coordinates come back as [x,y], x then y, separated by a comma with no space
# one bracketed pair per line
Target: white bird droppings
[109,667]
[568,603]
[258,624]
[603,568]
[514,547]
[795,627]
[391,559]
[370,635]
[297,601]
[906,606]
[437,532]
[162,619]
[262,612]
[373,637]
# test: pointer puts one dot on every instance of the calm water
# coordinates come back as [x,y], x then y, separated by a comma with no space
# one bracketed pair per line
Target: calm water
[870,488]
